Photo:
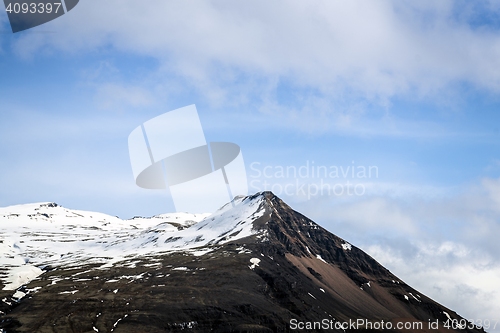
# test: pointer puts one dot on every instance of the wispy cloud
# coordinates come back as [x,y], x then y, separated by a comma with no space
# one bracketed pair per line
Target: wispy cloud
[346,52]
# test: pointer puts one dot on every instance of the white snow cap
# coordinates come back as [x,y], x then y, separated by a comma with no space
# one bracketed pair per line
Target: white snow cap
[33,236]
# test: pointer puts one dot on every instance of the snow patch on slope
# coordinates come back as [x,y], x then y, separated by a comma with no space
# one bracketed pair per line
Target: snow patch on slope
[17,276]
[40,235]
[255,262]
[319,257]
[346,246]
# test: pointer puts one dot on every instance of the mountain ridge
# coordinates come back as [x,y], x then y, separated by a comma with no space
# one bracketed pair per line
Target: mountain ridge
[260,267]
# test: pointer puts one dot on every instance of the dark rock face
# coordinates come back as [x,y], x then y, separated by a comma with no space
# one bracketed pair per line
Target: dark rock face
[296,273]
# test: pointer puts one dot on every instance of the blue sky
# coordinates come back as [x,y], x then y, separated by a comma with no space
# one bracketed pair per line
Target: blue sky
[410,87]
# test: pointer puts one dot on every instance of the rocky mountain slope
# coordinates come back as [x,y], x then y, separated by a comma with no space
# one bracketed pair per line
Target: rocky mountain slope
[255,265]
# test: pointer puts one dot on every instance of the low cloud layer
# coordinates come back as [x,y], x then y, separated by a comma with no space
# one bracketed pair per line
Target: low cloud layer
[445,246]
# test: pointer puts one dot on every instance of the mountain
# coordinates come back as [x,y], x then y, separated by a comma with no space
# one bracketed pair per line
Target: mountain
[256,265]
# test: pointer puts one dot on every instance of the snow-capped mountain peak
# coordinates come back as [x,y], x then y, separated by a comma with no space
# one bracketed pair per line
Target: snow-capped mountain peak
[252,266]
[39,235]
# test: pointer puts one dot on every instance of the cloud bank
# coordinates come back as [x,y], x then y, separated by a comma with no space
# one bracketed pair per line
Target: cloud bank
[335,53]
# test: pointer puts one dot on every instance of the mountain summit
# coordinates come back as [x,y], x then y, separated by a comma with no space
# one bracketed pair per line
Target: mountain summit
[256,265]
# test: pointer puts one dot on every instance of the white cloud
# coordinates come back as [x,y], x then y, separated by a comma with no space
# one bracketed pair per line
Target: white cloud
[441,241]
[342,50]
[460,277]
